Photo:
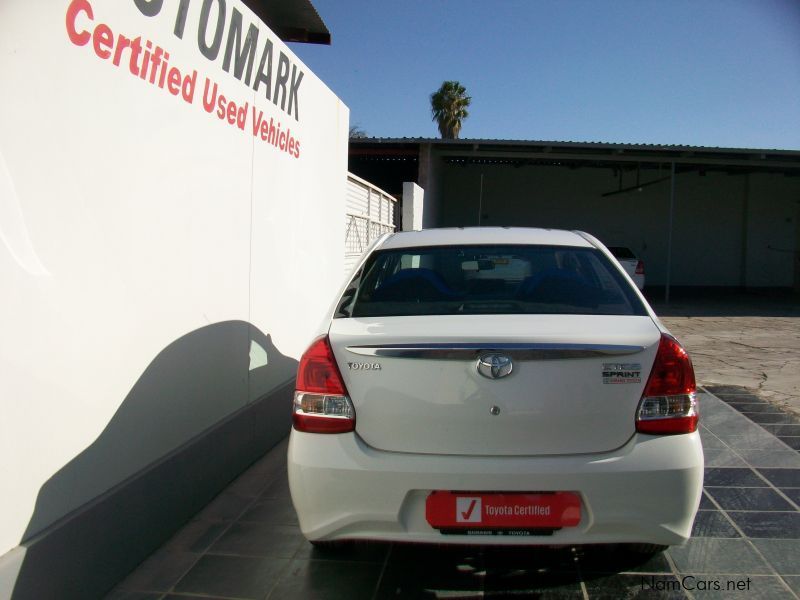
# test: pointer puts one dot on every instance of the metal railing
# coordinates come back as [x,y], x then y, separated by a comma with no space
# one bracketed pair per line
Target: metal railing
[370,212]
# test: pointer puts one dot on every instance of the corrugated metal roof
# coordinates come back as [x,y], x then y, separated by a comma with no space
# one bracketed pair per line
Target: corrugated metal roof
[572,144]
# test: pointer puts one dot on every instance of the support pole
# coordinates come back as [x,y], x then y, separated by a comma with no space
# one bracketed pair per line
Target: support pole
[480,202]
[745,213]
[669,238]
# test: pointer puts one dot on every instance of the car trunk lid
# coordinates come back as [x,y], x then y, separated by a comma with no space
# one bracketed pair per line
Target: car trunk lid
[574,385]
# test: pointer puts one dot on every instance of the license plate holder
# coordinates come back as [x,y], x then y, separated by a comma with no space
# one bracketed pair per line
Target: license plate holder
[504,511]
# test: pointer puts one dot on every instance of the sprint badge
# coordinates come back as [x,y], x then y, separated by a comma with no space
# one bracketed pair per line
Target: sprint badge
[622,373]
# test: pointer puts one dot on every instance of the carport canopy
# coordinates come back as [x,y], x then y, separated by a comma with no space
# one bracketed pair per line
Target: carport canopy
[700,215]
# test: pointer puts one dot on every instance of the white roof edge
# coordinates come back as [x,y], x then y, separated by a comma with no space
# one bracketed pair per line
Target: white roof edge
[589,238]
[486,235]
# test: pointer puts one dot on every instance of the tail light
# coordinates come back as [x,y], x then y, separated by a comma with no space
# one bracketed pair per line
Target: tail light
[669,401]
[639,268]
[321,403]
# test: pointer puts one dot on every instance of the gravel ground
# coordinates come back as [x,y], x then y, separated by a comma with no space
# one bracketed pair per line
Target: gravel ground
[743,339]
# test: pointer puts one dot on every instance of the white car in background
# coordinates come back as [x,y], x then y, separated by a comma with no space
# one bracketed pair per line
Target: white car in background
[494,386]
[632,264]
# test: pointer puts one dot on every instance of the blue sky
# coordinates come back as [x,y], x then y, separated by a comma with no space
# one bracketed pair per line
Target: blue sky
[697,72]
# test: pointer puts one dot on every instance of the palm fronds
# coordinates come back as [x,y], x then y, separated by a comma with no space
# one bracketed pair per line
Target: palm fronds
[449,108]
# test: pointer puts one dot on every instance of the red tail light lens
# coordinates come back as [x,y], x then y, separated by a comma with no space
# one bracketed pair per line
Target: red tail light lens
[318,372]
[321,403]
[640,268]
[672,371]
[669,401]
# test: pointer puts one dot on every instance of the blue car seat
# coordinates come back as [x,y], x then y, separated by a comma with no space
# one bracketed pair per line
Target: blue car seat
[414,285]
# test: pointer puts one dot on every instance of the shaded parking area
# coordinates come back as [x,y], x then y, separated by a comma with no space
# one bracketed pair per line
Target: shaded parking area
[746,543]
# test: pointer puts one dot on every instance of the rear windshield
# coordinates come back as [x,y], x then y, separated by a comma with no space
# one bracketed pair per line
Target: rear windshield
[445,280]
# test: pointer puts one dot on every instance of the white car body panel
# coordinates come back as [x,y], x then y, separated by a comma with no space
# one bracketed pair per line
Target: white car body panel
[647,491]
[442,406]
[372,483]
[484,235]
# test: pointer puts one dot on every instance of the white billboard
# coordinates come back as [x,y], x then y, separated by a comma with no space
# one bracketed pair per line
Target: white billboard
[171,197]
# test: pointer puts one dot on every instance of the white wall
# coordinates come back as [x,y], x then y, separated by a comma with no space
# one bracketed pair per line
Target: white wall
[413,206]
[131,218]
[710,220]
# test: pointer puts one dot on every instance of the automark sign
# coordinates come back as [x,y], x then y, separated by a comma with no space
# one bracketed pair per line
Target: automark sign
[219,39]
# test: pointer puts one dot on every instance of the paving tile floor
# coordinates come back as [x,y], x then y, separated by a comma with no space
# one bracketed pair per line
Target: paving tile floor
[246,544]
[776,419]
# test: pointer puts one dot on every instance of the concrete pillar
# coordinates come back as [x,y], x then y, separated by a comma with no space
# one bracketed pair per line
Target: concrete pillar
[413,200]
[428,177]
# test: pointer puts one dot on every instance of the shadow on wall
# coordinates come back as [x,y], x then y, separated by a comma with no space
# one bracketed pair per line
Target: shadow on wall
[205,408]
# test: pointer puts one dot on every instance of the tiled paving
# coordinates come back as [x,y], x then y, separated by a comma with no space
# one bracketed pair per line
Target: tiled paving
[784,424]
[246,543]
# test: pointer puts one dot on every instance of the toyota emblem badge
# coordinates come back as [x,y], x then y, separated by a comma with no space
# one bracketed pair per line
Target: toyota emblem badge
[495,366]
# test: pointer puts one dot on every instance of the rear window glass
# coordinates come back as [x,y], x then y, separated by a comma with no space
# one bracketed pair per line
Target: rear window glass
[445,280]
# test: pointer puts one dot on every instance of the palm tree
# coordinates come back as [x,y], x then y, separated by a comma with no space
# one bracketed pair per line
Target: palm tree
[449,108]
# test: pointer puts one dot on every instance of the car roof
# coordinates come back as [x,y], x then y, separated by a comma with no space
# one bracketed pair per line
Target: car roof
[451,236]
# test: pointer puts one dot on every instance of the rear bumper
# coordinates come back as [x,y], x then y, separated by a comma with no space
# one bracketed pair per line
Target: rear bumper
[648,491]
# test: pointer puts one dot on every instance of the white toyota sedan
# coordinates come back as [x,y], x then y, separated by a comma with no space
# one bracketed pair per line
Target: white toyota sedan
[494,386]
